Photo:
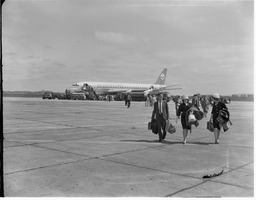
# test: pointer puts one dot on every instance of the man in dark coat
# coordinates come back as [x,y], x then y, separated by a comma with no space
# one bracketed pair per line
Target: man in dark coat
[161,114]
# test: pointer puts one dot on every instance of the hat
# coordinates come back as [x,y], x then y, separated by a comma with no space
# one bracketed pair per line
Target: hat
[183,97]
[216,96]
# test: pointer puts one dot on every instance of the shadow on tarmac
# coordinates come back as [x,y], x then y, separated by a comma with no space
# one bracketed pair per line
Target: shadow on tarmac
[168,142]
[151,141]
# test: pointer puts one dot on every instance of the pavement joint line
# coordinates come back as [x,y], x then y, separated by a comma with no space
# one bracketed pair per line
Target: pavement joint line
[184,189]
[87,126]
[91,127]
[226,183]
[143,167]
[47,166]
[90,158]
[87,137]
[34,145]
[231,170]
[247,147]
[96,157]
[239,167]
[105,156]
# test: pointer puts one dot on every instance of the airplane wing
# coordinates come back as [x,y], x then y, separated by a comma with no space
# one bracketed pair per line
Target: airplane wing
[113,91]
[171,86]
[145,92]
[137,91]
[158,91]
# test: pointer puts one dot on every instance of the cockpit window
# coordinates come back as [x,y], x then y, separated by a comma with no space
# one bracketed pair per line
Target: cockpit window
[75,84]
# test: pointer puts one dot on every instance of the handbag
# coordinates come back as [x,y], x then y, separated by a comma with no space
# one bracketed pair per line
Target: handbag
[210,126]
[225,126]
[149,126]
[154,126]
[199,115]
[191,117]
[169,127]
[223,117]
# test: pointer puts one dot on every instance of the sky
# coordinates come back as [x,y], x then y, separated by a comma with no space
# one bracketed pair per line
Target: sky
[207,46]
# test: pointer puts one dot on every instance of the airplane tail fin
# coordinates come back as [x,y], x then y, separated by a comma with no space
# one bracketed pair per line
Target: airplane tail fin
[161,78]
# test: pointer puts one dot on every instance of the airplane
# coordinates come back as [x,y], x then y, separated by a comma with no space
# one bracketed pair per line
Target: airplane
[104,88]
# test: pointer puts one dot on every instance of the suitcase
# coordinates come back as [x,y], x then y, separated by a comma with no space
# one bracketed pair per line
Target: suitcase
[154,126]
[210,126]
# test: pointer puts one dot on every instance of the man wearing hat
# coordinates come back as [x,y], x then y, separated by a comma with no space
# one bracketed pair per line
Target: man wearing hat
[161,114]
[216,108]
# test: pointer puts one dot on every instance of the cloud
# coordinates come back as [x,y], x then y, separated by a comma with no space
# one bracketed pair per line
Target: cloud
[30,67]
[115,38]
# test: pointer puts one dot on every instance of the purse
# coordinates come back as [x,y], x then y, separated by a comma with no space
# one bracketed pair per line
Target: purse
[191,117]
[154,126]
[210,126]
[169,127]
[199,115]
[149,126]
[223,117]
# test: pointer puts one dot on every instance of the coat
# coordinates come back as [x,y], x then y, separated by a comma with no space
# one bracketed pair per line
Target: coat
[165,111]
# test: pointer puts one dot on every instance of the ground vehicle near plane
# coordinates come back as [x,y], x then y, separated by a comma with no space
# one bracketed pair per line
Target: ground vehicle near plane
[78,96]
[48,95]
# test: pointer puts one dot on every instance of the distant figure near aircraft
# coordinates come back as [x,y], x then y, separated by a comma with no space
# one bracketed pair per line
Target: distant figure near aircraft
[129,98]
[125,99]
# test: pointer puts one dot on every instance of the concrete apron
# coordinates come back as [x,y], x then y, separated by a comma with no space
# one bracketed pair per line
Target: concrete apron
[103,149]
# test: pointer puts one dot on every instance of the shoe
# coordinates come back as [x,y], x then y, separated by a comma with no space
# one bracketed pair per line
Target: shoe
[217,142]
[184,142]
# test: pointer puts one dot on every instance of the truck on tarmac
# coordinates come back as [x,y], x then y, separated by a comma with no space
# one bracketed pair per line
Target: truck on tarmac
[78,96]
[48,94]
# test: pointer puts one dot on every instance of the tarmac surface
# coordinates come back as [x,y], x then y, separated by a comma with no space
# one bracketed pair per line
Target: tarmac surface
[61,148]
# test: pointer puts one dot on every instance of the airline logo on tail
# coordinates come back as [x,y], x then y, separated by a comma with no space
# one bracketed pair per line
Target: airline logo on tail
[161,79]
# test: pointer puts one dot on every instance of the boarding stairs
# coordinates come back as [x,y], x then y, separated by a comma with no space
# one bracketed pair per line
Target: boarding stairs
[91,93]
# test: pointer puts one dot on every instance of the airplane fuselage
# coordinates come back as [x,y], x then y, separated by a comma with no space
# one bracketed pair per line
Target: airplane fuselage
[102,88]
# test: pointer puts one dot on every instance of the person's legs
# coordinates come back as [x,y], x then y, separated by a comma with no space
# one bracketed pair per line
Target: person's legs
[185,134]
[216,135]
[159,127]
[163,125]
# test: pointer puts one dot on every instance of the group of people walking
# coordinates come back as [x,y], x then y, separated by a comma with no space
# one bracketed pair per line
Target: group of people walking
[184,109]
